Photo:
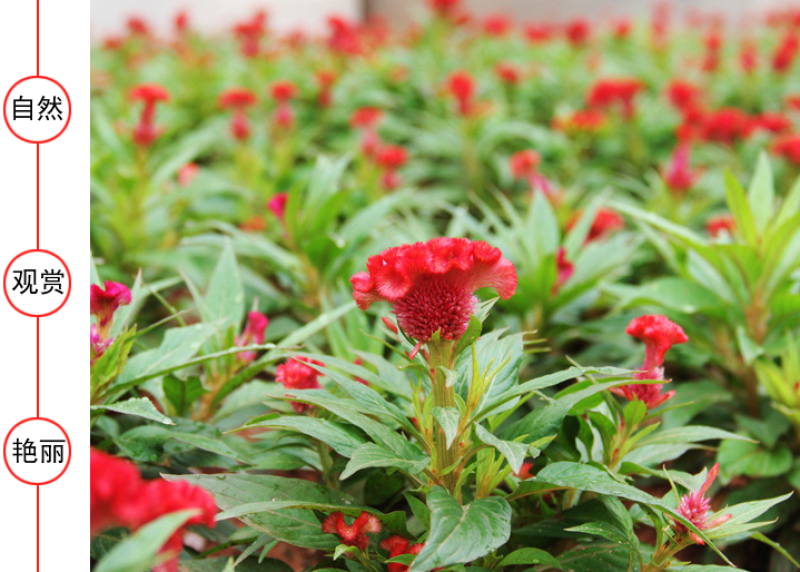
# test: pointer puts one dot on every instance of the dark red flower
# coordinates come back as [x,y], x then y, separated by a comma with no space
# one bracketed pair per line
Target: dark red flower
[694,507]
[715,225]
[283,90]
[113,483]
[610,92]
[773,122]
[726,125]
[524,471]
[297,374]
[397,545]
[431,285]
[352,534]
[461,86]
[683,94]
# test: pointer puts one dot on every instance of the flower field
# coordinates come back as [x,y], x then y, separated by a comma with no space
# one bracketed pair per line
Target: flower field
[477,295]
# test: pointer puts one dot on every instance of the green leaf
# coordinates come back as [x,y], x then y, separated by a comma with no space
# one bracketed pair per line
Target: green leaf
[224,300]
[448,418]
[742,516]
[340,437]
[690,434]
[513,452]
[614,534]
[181,394]
[752,459]
[139,552]
[462,533]
[530,556]
[138,406]
[372,455]
[740,208]
[761,193]
[295,526]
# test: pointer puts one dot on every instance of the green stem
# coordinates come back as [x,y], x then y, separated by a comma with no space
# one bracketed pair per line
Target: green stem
[441,355]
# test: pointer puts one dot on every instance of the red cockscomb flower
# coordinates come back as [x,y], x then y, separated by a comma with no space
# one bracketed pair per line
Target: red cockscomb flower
[525,163]
[694,507]
[397,545]
[103,302]
[431,285]
[238,99]
[578,31]
[187,173]
[345,37]
[793,102]
[352,534]
[391,158]
[748,56]
[250,33]
[770,121]
[297,374]
[678,175]
[253,333]
[277,205]
[621,28]
[726,125]
[610,92]
[461,86]
[713,44]
[682,94]
[138,26]
[788,147]
[564,269]
[367,119]
[715,225]
[444,8]
[539,33]
[583,121]
[146,132]
[786,53]
[497,25]
[659,334]
[508,74]
[283,92]
[325,80]
[605,221]
[119,497]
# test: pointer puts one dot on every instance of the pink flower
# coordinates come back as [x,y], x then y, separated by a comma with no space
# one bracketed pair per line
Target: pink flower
[678,174]
[297,374]
[397,545]
[659,334]
[253,334]
[146,131]
[277,205]
[104,302]
[694,507]
[187,173]
[461,86]
[524,163]
[431,285]
[98,345]
[238,99]
[119,497]
[353,534]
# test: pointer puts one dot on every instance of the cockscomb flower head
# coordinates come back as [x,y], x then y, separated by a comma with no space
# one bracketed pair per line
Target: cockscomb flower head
[716,225]
[610,92]
[694,507]
[578,31]
[296,373]
[524,164]
[238,99]
[250,33]
[397,545]
[431,285]
[444,8]
[786,52]
[605,221]
[104,301]
[788,147]
[726,125]
[366,119]
[508,73]
[146,131]
[352,534]
[97,345]
[461,86]
[283,90]
[253,333]
[683,94]
[391,158]
[497,25]
[277,205]
[582,121]
[678,175]
[187,173]
[564,269]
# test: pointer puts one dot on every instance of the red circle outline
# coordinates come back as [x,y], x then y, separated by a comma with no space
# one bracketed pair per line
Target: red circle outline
[5,114]
[5,457]
[5,288]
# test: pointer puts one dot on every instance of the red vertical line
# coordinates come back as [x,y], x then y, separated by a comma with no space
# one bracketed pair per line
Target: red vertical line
[37,523]
[37,367]
[37,40]
[37,196]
